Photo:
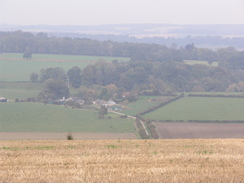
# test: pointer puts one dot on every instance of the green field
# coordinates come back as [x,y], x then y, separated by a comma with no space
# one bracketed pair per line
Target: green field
[200,108]
[201,62]
[37,117]
[12,91]
[14,68]
[140,105]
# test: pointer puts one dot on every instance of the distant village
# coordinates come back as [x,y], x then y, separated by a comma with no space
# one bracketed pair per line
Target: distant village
[110,104]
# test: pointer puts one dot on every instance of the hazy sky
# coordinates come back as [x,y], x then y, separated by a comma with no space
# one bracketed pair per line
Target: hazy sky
[95,12]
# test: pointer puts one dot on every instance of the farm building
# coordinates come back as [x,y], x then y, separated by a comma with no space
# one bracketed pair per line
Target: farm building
[104,103]
[2,99]
[99,102]
[111,103]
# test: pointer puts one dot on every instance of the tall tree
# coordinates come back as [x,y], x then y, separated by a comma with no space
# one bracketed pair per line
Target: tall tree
[52,73]
[34,77]
[74,75]
[54,89]
[27,53]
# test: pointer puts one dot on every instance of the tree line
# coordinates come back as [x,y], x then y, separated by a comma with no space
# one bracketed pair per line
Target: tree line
[213,41]
[26,42]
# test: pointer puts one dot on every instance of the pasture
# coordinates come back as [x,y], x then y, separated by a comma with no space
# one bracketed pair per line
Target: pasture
[12,91]
[122,161]
[141,104]
[201,62]
[15,68]
[38,117]
[200,108]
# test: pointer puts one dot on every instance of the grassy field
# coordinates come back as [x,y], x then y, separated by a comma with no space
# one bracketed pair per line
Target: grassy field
[122,161]
[37,117]
[141,104]
[15,68]
[12,91]
[201,62]
[200,108]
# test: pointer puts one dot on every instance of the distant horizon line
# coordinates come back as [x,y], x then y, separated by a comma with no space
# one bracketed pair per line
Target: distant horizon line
[118,24]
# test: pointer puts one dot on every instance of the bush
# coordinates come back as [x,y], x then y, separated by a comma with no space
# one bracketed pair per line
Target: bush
[123,116]
[70,137]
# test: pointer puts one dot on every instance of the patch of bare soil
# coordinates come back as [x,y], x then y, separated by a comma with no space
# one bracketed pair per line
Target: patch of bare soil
[199,130]
[63,136]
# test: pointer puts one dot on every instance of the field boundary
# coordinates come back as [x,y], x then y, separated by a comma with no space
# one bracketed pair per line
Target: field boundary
[158,106]
[220,96]
[198,121]
[142,127]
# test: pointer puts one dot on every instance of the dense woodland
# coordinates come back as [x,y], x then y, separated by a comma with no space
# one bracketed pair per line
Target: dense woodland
[153,69]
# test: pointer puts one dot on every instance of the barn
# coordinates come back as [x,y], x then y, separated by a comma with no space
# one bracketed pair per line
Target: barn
[2,99]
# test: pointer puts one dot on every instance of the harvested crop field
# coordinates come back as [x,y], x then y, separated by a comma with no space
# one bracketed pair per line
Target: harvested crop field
[122,161]
[200,130]
[63,136]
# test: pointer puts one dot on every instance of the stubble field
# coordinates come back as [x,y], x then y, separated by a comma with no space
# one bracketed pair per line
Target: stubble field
[122,161]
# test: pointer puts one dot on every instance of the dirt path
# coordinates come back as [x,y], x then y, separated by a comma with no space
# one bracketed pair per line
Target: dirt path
[122,114]
[132,118]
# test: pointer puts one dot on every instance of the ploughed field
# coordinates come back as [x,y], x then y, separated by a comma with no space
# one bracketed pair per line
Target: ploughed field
[200,130]
[122,161]
[200,117]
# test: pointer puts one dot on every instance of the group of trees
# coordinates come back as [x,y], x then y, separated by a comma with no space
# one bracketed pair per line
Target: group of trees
[53,90]
[162,77]
[55,85]
[154,78]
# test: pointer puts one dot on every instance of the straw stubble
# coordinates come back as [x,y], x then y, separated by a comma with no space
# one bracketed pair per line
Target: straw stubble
[122,161]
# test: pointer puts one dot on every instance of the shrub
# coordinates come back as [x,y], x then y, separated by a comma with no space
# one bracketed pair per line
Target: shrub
[123,116]
[70,137]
